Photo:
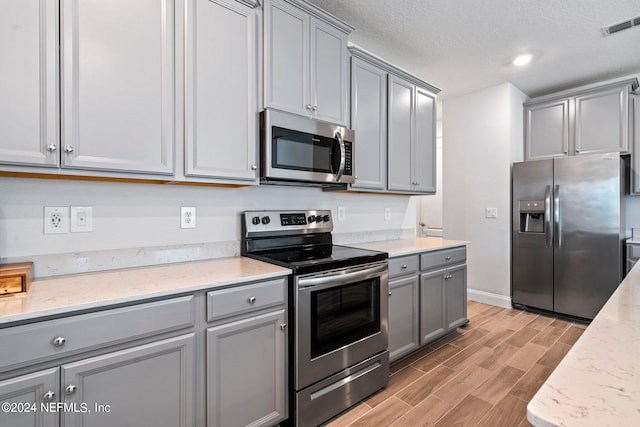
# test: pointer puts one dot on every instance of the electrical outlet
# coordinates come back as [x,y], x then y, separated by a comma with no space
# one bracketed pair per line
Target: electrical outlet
[56,220]
[188,217]
[387,214]
[491,213]
[342,213]
[81,219]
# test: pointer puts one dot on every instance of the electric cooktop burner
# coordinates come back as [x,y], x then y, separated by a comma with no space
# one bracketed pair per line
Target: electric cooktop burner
[300,240]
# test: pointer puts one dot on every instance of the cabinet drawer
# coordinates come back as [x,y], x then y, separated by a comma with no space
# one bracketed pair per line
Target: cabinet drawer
[634,251]
[441,258]
[242,299]
[403,265]
[22,345]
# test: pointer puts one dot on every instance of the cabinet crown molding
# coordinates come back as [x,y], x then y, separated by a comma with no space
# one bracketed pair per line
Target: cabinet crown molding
[581,90]
[321,14]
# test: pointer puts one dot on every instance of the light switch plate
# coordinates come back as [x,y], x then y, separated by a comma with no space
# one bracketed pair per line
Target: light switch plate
[81,219]
[491,213]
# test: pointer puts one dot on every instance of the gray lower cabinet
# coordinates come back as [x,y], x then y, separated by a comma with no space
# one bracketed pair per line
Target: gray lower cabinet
[247,355]
[25,395]
[148,385]
[427,298]
[403,316]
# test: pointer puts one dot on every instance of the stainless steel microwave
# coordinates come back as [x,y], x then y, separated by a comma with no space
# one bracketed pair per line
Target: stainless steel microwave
[299,150]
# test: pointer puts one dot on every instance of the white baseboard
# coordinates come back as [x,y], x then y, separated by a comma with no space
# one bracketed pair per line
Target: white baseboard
[489,298]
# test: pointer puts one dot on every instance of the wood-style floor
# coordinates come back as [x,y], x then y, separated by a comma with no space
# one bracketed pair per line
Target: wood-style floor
[482,375]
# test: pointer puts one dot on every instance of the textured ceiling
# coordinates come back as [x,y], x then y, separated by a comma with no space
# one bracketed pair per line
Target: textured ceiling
[466,45]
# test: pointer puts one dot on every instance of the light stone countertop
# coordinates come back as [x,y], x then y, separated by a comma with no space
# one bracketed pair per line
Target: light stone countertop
[598,382]
[65,294]
[416,245]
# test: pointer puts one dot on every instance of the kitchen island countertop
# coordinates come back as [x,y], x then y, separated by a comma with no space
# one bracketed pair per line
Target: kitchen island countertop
[416,245]
[65,294]
[598,381]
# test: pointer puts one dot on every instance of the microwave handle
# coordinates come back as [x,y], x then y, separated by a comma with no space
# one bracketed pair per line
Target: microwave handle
[342,156]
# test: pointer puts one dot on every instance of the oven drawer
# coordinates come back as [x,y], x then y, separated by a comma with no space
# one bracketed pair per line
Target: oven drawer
[435,259]
[40,341]
[243,299]
[403,265]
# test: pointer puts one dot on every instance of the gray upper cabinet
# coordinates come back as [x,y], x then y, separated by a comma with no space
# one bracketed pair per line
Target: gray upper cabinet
[306,61]
[635,168]
[587,120]
[118,85]
[547,129]
[29,83]
[221,90]
[412,137]
[369,120]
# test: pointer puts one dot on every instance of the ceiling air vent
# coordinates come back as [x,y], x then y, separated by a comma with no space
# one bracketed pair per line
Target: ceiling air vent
[620,26]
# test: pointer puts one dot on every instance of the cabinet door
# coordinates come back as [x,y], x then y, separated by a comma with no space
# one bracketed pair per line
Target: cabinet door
[369,120]
[222,74]
[456,296]
[33,390]
[118,80]
[547,130]
[403,316]
[246,372]
[329,73]
[286,57]
[29,83]
[635,158]
[432,306]
[148,385]
[400,142]
[602,121]
[424,157]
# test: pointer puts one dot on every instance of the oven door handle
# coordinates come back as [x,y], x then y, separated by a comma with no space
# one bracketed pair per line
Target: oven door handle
[344,276]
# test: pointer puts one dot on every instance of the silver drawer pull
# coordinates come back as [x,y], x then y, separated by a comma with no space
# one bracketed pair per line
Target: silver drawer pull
[48,396]
[70,389]
[283,326]
[390,293]
[448,258]
[58,341]
[404,266]
[251,300]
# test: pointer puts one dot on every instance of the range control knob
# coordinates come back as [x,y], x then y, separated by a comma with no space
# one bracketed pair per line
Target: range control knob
[311,219]
[319,218]
[255,220]
[327,218]
[266,220]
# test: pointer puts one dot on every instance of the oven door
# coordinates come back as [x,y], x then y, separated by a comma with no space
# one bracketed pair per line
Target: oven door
[341,319]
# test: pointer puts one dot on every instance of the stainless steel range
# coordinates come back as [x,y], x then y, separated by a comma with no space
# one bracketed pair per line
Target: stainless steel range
[338,306]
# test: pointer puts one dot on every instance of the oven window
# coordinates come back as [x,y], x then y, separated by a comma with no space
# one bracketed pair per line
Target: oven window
[301,151]
[343,315]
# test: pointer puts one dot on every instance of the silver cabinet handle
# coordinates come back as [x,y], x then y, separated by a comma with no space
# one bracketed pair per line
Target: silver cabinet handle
[283,326]
[308,107]
[48,396]
[51,148]
[314,108]
[68,149]
[251,300]
[404,266]
[390,293]
[70,389]
[58,341]
[254,167]
[448,258]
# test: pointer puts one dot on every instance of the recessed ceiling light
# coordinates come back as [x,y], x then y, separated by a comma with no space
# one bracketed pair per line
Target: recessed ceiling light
[522,60]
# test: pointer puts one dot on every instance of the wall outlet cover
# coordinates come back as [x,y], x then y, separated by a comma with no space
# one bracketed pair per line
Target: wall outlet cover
[491,213]
[56,219]
[188,217]
[81,219]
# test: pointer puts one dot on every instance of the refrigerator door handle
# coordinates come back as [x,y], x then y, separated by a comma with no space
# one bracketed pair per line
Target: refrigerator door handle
[557,226]
[547,216]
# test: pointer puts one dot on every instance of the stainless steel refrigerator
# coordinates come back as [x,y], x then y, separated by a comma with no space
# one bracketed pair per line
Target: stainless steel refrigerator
[567,233]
